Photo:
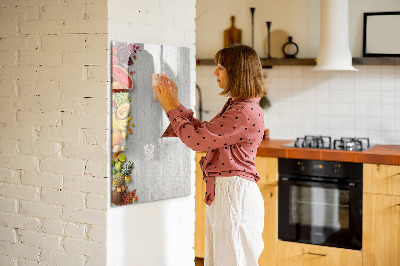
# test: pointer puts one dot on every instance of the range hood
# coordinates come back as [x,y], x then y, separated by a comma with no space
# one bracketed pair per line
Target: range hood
[334,51]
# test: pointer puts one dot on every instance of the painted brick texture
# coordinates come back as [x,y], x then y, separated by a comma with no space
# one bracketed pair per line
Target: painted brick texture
[53,128]
[53,122]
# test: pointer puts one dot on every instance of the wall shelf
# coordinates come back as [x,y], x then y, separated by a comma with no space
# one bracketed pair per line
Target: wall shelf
[376,61]
[312,61]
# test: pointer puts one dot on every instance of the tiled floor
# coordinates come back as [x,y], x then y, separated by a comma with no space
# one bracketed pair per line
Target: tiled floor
[199,262]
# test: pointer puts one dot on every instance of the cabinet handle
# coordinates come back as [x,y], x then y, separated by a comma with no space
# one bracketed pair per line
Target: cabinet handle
[318,254]
[398,204]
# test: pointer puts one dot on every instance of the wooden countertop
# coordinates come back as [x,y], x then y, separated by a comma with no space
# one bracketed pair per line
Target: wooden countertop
[379,154]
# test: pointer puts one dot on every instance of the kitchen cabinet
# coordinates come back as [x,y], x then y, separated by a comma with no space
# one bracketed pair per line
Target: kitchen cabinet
[267,168]
[381,179]
[381,221]
[200,207]
[270,233]
[381,215]
[299,254]
[381,230]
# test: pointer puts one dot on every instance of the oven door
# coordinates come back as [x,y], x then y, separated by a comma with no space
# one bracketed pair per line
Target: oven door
[321,212]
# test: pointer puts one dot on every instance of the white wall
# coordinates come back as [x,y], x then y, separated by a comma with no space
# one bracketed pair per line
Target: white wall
[299,18]
[338,104]
[160,232]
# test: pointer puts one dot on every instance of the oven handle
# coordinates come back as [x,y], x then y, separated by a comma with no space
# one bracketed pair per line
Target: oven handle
[297,181]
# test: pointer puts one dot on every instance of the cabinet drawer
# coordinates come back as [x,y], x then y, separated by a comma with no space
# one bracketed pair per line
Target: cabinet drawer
[381,179]
[293,254]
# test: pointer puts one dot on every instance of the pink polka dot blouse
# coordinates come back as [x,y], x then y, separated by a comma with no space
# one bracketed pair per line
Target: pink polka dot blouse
[231,139]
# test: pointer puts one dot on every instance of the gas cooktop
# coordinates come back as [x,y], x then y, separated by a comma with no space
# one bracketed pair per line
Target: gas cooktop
[325,142]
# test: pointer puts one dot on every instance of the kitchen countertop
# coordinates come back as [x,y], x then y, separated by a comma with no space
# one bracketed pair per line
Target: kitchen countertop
[379,154]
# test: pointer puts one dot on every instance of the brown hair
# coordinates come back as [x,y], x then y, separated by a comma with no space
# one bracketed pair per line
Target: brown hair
[245,78]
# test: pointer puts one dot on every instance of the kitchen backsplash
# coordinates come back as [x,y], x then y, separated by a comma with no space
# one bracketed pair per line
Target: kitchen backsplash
[337,104]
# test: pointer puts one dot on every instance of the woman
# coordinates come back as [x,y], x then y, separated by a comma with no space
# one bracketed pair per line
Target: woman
[235,207]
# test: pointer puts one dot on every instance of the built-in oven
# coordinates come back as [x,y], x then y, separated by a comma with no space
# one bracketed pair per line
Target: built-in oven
[320,202]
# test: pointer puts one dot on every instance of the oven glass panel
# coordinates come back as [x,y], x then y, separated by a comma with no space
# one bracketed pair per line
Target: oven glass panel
[319,208]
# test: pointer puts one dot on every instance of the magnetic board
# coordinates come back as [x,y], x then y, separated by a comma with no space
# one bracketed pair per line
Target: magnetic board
[146,167]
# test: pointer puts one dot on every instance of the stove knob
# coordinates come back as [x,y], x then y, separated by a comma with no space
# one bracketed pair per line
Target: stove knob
[336,169]
[302,167]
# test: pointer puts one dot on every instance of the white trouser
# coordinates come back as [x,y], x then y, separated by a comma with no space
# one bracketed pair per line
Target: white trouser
[234,223]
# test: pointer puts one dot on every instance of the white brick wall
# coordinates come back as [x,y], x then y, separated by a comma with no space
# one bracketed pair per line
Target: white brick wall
[53,128]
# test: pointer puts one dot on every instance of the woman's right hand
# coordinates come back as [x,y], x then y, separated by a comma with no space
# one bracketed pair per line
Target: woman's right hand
[174,90]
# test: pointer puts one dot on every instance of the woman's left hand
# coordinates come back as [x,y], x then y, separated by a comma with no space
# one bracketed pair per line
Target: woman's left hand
[164,94]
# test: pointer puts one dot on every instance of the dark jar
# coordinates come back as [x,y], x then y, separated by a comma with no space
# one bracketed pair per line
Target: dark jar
[290,49]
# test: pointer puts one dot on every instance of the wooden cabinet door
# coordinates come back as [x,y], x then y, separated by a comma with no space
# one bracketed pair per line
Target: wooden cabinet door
[270,233]
[200,207]
[381,179]
[267,168]
[298,254]
[381,230]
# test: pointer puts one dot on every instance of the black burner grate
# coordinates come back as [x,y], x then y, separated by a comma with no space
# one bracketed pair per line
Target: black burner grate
[351,144]
[321,142]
